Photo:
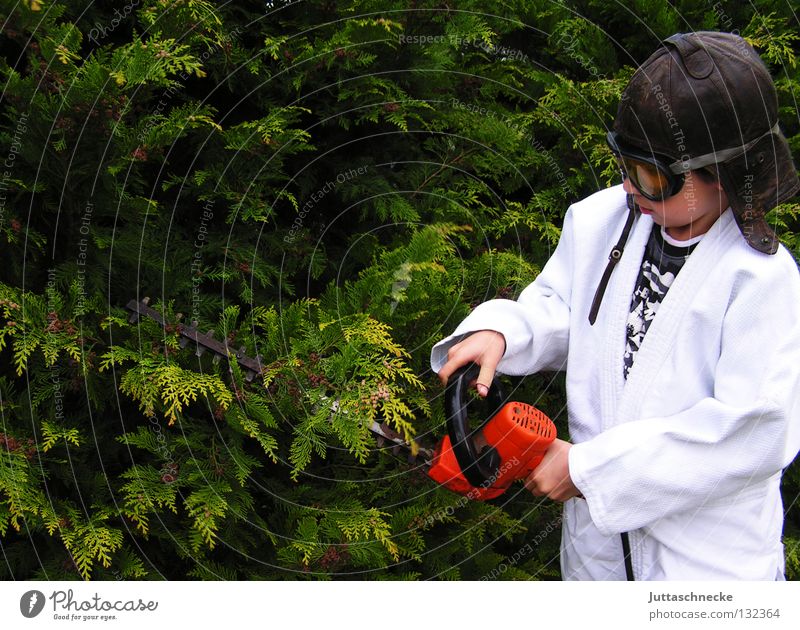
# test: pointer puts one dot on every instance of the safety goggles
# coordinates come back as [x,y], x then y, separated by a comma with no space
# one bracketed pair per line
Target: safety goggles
[654,176]
[658,177]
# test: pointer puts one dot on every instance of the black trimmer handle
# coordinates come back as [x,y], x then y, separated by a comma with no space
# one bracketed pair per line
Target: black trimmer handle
[478,469]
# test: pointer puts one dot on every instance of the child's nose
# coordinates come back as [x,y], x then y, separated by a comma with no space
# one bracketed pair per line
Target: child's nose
[627,186]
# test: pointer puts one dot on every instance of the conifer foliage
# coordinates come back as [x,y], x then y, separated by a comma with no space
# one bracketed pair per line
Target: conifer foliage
[329,186]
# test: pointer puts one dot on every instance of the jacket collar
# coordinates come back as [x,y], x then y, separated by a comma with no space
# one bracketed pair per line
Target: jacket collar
[621,399]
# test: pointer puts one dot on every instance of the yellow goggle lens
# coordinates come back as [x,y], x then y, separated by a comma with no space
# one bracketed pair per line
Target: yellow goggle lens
[646,177]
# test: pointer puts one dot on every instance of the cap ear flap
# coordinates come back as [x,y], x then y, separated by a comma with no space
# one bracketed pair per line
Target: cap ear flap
[755,183]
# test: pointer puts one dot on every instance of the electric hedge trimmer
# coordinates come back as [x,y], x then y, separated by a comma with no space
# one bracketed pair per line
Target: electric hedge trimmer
[479,464]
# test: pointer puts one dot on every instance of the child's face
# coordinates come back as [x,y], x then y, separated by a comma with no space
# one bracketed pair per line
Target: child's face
[689,213]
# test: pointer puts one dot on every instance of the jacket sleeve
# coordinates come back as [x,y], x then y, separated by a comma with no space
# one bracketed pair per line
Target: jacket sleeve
[638,472]
[535,326]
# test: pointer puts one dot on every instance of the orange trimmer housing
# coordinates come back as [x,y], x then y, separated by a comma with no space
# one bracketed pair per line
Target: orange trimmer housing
[520,433]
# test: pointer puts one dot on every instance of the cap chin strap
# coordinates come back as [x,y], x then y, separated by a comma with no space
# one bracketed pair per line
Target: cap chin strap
[716,157]
[613,259]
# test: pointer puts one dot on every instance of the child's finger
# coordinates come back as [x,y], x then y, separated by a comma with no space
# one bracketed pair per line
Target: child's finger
[454,362]
[484,347]
[486,375]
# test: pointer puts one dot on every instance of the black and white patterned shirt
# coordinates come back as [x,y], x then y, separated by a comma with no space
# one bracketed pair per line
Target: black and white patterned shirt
[662,260]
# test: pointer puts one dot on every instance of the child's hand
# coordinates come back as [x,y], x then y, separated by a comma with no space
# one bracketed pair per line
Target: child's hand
[551,477]
[486,348]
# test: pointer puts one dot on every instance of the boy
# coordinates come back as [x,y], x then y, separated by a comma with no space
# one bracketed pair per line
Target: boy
[681,347]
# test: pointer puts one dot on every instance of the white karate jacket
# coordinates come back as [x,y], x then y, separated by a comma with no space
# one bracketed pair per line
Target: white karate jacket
[687,454]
